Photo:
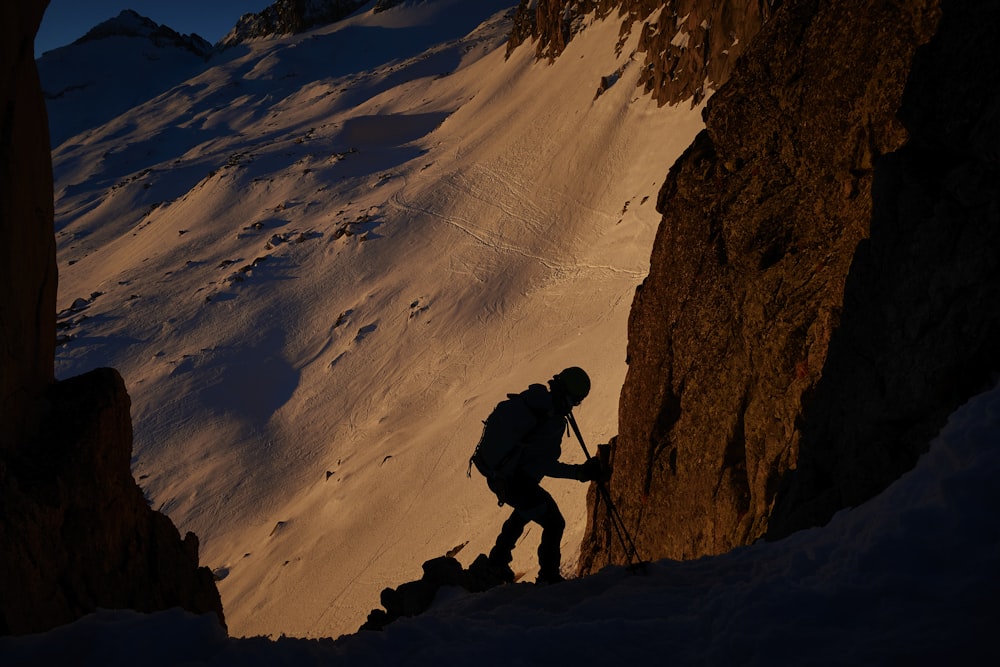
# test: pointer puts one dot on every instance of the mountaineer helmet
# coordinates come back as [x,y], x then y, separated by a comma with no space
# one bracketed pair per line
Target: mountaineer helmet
[575,382]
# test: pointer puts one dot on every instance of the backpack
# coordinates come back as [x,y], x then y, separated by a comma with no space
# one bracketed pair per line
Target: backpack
[498,452]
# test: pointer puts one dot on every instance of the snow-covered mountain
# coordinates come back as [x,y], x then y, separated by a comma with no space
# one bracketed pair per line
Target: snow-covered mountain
[117,65]
[318,265]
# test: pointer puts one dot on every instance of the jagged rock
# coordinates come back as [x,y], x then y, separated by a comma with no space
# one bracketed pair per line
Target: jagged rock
[76,532]
[285,17]
[415,597]
[824,286]
[690,46]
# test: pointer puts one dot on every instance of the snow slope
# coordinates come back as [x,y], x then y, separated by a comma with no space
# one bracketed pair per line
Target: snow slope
[909,578]
[321,260]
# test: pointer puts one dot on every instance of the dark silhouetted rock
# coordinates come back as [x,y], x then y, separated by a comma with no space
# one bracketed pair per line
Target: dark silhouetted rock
[77,531]
[415,597]
[824,286]
[28,250]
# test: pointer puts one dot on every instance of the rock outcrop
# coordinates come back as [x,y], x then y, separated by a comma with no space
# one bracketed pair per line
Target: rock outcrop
[689,47]
[824,286]
[415,597]
[285,17]
[75,531]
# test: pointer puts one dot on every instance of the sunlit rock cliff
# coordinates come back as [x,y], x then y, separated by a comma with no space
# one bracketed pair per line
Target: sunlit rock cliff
[824,287]
[687,47]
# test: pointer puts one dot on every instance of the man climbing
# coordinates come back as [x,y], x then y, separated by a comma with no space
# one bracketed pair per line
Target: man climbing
[521,444]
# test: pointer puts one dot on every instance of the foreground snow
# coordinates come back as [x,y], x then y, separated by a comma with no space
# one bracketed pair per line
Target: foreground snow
[909,578]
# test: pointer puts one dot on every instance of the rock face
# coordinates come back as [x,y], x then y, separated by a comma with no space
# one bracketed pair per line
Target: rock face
[688,45]
[285,17]
[75,530]
[28,251]
[825,283]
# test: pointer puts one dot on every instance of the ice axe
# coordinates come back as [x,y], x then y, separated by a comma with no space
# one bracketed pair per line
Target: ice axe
[628,545]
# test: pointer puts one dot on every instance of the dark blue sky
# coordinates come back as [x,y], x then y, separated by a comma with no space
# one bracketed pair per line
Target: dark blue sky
[66,20]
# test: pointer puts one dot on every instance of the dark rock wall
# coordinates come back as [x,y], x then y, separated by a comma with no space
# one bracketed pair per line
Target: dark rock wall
[823,287]
[75,531]
[920,325]
[27,241]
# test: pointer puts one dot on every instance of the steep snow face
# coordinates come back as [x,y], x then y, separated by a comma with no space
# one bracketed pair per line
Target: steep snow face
[319,264]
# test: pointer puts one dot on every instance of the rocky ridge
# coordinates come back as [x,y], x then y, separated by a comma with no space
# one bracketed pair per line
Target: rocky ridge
[824,284]
[285,17]
[688,47]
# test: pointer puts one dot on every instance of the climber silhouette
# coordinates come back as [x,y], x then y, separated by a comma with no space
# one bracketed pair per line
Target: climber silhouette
[521,444]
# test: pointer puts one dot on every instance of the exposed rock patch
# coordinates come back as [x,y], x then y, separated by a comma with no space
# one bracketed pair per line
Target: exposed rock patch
[285,17]
[689,46]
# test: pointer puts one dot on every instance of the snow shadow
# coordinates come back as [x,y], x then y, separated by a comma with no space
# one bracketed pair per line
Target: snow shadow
[250,383]
[389,131]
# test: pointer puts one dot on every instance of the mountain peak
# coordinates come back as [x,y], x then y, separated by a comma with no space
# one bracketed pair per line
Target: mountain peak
[130,23]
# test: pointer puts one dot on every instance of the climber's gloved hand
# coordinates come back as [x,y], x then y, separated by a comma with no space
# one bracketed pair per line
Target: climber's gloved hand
[591,470]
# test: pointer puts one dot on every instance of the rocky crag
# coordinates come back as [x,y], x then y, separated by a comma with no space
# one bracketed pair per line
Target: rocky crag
[688,47]
[415,597]
[824,287]
[285,17]
[75,532]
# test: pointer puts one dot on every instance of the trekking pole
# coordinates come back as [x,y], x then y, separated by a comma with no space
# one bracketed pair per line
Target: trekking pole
[628,545]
